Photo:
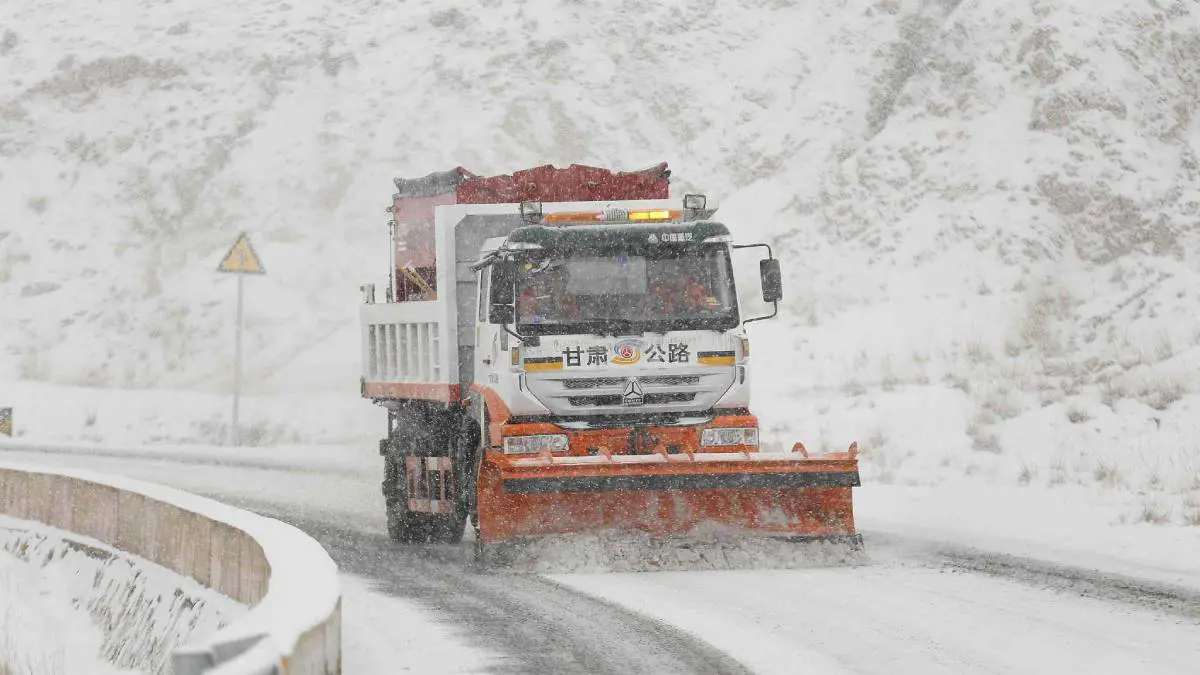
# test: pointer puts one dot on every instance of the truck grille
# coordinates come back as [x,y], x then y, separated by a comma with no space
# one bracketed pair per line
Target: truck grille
[654,380]
[615,400]
[697,389]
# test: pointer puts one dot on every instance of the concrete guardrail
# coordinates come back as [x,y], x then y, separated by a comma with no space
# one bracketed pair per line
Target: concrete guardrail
[285,576]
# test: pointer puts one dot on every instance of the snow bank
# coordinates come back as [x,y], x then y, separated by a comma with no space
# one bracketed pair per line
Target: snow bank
[287,577]
[42,632]
[137,611]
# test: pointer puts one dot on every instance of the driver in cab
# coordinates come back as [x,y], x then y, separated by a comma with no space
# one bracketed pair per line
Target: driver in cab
[544,297]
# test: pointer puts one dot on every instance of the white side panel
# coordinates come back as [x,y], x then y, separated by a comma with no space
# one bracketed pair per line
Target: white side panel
[445,219]
[401,342]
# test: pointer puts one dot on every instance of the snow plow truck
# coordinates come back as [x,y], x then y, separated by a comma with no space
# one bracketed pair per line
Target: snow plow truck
[561,351]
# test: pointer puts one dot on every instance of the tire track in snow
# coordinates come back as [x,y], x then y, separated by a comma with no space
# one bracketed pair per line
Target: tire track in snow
[1157,596]
[1079,581]
[538,626]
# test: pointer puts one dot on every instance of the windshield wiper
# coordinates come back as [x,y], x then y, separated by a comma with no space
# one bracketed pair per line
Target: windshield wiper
[603,327]
[609,327]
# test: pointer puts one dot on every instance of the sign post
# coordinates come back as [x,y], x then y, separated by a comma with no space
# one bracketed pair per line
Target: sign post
[241,260]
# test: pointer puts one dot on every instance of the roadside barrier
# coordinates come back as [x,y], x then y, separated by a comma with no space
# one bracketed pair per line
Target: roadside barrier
[286,577]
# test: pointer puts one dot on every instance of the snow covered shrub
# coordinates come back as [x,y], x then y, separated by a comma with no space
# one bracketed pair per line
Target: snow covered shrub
[1028,473]
[1191,509]
[978,352]
[1045,305]
[1050,396]
[1165,349]
[1113,390]
[853,388]
[876,440]
[1003,402]
[1058,472]
[986,442]
[889,380]
[1160,393]
[959,381]
[1153,511]
[1106,473]
[1077,415]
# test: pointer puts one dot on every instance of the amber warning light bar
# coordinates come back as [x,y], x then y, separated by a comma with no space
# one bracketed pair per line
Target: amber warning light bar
[613,216]
[693,206]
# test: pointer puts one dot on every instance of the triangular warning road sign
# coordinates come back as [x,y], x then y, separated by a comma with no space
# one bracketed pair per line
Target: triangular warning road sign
[241,258]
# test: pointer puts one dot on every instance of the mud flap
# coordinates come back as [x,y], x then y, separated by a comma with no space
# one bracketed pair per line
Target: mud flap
[431,484]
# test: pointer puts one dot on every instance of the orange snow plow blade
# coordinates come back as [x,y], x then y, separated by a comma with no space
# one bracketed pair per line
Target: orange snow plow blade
[790,494]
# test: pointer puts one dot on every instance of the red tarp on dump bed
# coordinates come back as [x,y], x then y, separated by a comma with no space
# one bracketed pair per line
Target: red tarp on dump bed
[576,183]
[416,198]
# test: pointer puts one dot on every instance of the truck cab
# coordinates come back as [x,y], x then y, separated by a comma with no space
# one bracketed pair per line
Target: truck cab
[614,332]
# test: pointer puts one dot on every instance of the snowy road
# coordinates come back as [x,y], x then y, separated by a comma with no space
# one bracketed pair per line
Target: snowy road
[905,617]
[915,609]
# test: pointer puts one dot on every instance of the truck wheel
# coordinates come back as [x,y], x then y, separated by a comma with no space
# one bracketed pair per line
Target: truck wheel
[449,529]
[406,527]
[403,525]
[424,435]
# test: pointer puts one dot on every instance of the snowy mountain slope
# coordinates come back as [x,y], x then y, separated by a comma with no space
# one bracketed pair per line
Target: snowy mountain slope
[1003,273]
[139,147]
[988,210]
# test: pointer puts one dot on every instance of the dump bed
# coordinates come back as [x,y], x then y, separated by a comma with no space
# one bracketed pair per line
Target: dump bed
[420,342]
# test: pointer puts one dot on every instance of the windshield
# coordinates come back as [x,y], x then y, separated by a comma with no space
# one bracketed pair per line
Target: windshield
[609,293]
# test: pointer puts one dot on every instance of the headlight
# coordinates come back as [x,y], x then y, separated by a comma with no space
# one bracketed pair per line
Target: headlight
[524,444]
[734,436]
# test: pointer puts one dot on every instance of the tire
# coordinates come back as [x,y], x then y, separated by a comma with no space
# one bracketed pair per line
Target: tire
[481,561]
[449,529]
[441,436]
[403,525]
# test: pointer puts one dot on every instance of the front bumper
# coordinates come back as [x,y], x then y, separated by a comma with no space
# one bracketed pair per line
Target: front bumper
[627,440]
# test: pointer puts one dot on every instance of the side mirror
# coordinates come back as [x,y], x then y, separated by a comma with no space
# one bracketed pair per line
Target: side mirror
[772,280]
[502,292]
[501,314]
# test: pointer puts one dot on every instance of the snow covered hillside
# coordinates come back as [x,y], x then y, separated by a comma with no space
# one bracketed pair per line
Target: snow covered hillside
[988,211]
